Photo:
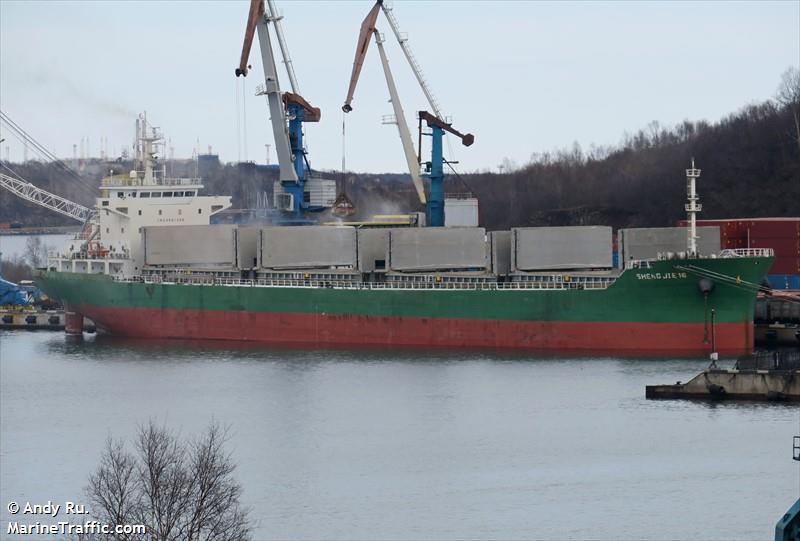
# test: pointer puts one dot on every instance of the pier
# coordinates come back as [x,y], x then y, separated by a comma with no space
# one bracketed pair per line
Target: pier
[38,320]
[770,376]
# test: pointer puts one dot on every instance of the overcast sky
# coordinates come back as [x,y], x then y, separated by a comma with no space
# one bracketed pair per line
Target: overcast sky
[524,77]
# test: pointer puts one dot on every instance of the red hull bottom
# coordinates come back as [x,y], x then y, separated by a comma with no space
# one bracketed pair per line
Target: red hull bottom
[650,339]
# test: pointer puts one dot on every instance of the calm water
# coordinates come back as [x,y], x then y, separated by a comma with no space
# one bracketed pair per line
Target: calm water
[411,445]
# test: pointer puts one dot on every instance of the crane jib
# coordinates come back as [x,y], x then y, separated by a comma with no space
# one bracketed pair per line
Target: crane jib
[256,12]
[364,36]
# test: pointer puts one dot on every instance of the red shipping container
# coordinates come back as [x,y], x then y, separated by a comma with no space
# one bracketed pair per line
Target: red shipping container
[727,228]
[780,234]
[785,265]
[735,242]
[784,229]
[754,227]
[782,247]
[710,223]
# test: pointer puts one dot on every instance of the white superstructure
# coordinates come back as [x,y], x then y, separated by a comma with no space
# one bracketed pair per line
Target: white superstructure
[111,243]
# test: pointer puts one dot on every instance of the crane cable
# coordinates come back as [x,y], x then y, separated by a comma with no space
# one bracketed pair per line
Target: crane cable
[244,115]
[7,167]
[460,178]
[25,137]
[237,121]
[344,117]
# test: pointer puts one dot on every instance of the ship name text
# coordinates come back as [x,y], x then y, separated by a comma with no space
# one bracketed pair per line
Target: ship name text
[661,275]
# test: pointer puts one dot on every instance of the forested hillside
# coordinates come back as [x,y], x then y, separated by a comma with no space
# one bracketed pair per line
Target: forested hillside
[750,162]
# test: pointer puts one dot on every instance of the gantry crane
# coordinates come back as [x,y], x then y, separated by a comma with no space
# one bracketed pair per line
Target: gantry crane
[285,108]
[435,168]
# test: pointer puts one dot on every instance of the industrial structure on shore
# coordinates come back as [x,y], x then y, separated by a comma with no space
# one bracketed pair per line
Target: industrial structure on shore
[149,262]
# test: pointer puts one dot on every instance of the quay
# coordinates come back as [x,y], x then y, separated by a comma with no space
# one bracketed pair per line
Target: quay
[770,376]
[37,320]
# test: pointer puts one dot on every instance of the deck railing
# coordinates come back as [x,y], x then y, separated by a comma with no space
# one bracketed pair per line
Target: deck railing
[724,254]
[747,252]
[593,284]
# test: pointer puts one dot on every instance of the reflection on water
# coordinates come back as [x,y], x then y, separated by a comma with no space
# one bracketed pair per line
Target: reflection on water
[104,343]
[369,444]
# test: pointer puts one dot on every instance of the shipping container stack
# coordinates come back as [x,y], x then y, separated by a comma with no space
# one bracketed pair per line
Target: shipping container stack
[780,234]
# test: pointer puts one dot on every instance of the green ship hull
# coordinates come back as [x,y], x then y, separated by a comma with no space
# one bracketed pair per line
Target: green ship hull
[656,310]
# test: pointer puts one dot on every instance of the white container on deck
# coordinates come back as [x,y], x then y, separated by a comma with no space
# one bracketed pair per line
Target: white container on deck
[460,211]
[560,248]
[438,248]
[308,247]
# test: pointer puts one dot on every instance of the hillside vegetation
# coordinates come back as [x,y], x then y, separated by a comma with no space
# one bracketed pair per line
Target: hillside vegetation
[750,162]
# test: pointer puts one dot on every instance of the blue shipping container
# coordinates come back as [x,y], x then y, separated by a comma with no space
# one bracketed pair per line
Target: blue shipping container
[784,281]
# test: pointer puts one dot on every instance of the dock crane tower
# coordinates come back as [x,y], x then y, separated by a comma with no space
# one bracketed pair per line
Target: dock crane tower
[288,112]
[435,168]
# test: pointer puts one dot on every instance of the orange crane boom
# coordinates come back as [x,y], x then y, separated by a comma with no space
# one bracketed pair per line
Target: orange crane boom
[364,36]
[256,12]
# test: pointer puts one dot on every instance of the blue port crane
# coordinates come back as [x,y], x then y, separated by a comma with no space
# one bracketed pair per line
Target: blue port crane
[288,110]
[435,168]
[434,202]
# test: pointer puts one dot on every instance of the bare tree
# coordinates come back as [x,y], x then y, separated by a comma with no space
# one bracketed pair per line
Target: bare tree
[15,269]
[180,491]
[788,95]
[34,252]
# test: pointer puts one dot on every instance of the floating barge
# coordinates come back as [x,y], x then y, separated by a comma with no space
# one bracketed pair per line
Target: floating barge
[771,376]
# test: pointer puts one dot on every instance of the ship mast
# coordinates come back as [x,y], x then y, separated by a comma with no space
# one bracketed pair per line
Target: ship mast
[692,208]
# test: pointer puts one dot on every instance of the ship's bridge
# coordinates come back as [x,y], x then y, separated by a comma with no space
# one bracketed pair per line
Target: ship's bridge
[121,191]
[128,203]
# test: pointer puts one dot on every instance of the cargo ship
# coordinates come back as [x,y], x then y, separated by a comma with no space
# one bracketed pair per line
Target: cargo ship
[151,265]
[656,309]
